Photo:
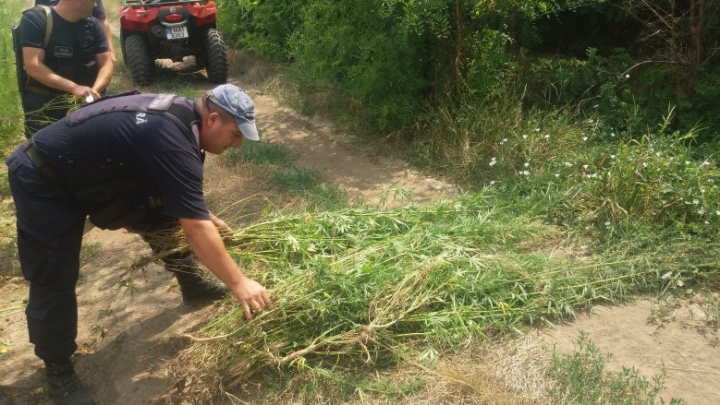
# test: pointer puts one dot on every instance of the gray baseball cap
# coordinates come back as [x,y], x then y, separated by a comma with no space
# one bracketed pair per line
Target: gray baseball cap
[238,104]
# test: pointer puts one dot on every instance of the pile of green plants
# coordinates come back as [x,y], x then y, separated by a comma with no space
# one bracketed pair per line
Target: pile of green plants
[359,290]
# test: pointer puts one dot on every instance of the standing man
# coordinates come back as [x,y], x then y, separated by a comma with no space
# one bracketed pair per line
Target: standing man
[127,161]
[99,14]
[75,60]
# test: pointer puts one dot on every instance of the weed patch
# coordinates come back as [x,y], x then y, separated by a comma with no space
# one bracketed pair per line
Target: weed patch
[582,379]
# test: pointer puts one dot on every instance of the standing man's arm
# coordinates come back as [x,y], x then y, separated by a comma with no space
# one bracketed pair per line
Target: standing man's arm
[105,72]
[33,59]
[205,241]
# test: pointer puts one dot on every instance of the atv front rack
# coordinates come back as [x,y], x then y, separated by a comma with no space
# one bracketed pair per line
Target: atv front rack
[158,3]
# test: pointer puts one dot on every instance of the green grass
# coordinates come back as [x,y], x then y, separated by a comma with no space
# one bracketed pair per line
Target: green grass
[11,123]
[288,178]
[88,251]
[11,133]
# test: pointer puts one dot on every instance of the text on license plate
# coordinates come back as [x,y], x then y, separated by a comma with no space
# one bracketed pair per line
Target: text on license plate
[176,32]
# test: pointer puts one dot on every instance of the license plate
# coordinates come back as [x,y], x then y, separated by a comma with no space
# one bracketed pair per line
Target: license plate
[176,32]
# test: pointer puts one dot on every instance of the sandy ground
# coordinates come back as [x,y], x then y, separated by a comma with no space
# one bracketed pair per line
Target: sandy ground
[679,341]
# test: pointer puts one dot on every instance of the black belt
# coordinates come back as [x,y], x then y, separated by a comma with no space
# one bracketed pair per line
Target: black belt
[44,91]
[32,154]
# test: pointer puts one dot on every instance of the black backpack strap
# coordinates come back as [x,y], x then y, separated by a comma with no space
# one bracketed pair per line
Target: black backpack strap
[48,24]
[184,114]
[45,14]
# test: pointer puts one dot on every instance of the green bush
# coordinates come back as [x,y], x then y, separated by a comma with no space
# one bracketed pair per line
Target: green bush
[583,380]
[262,27]
[364,56]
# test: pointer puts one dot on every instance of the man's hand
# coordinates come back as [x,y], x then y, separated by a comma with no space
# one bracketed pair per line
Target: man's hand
[205,241]
[251,295]
[222,226]
[83,92]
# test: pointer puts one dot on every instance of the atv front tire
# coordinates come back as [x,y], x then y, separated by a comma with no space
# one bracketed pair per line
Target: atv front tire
[215,61]
[138,61]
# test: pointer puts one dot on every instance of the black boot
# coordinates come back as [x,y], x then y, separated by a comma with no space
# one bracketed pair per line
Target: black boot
[65,386]
[195,287]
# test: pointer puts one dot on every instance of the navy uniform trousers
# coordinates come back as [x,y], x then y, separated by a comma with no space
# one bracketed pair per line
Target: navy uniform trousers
[50,227]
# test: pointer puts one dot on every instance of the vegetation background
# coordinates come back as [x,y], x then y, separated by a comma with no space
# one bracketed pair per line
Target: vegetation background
[585,123]
[596,117]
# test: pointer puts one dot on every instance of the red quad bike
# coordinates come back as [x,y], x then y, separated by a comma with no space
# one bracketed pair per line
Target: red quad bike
[161,29]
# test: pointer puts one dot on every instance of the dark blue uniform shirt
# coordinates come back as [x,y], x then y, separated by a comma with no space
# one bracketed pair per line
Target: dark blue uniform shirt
[71,45]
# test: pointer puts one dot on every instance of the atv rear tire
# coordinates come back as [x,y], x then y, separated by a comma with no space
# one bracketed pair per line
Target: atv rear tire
[138,61]
[215,61]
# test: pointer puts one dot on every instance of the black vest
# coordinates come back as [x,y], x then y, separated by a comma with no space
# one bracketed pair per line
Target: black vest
[72,57]
[113,197]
